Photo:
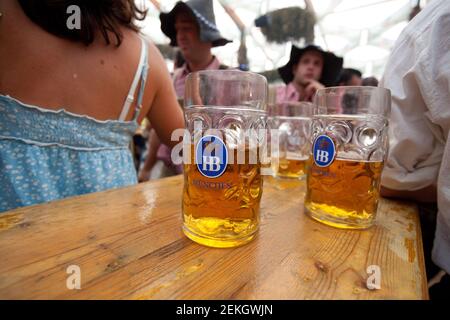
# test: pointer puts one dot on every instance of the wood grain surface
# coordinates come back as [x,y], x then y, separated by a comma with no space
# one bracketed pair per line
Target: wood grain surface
[128,244]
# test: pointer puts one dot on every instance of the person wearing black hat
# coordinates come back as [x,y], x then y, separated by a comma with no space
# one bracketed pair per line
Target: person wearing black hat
[308,70]
[191,26]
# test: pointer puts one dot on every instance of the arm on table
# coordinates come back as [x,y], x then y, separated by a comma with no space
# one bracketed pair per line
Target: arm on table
[427,194]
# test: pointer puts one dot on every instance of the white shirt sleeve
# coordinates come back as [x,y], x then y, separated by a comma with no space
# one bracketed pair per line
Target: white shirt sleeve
[418,76]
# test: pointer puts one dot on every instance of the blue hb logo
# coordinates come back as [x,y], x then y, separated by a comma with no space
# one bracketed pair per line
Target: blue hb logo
[211,156]
[324,151]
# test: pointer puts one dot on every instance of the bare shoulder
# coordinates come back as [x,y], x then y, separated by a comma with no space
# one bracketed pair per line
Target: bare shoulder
[158,72]
[156,61]
[158,75]
[153,50]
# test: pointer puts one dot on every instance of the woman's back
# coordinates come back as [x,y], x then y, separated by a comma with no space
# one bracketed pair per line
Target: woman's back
[42,69]
[63,131]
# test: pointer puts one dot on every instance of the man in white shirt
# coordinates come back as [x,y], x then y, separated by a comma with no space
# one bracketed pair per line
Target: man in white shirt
[418,75]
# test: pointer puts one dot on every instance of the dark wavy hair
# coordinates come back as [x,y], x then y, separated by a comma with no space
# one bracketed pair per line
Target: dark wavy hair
[347,74]
[97,16]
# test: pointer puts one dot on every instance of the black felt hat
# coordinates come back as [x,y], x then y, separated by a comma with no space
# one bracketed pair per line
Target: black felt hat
[203,12]
[332,65]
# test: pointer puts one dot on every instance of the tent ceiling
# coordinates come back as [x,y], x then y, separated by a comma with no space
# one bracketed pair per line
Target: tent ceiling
[362,31]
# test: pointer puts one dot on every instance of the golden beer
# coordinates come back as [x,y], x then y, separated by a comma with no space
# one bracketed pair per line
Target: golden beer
[350,143]
[267,165]
[225,119]
[344,194]
[224,211]
[291,168]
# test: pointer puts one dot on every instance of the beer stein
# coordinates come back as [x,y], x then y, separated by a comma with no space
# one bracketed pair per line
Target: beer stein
[291,121]
[349,147]
[225,117]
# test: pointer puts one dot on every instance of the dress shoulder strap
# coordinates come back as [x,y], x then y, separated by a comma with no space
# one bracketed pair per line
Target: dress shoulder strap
[141,75]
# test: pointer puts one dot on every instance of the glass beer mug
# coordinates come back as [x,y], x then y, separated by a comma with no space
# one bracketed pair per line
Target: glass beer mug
[292,122]
[224,111]
[350,144]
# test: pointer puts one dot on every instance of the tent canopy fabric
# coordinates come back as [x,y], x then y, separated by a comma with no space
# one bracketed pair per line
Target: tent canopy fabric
[361,31]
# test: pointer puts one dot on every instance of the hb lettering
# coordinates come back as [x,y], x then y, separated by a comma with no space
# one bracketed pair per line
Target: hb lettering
[211,156]
[322,156]
[212,162]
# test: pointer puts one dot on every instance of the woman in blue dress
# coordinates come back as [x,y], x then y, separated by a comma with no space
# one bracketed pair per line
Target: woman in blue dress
[72,98]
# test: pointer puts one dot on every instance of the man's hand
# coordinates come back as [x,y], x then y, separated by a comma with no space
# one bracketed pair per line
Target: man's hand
[311,86]
[143,175]
[146,167]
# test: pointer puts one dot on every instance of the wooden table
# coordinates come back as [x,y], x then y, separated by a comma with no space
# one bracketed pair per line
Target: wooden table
[128,244]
